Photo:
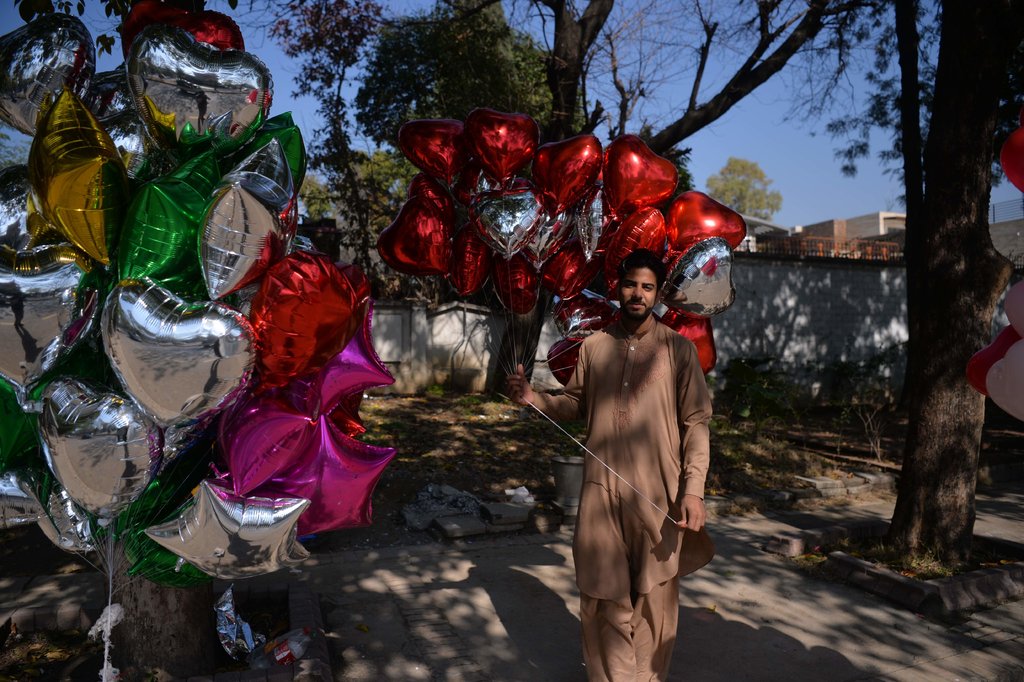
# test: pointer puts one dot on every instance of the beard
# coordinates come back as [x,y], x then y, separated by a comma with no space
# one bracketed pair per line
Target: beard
[635,316]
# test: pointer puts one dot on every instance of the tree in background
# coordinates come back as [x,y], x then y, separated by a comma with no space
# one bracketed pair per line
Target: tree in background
[743,186]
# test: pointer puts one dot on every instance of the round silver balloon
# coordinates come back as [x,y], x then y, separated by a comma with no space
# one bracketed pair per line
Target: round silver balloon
[18,502]
[180,362]
[39,59]
[230,537]
[591,221]
[14,190]
[108,95]
[101,447]
[187,91]
[549,237]
[66,524]
[700,281]
[143,158]
[507,219]
[41,314]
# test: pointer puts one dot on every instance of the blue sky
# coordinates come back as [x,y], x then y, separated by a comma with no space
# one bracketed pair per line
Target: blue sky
[797,156]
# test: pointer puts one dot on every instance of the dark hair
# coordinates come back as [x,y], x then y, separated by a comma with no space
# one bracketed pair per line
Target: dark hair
[643,258]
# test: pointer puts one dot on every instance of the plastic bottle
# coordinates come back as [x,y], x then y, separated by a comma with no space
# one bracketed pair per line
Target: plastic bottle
[289,647]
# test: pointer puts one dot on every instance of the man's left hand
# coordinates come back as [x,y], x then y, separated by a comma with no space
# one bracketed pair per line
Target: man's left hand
[694,513]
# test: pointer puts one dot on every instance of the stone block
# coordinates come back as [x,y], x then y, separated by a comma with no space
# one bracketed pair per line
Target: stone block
[505,513]
[786,545]
[878,480]
[822,482]
[460,526]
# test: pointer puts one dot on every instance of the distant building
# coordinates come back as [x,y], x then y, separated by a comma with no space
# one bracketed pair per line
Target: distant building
[861,227]
[875,236]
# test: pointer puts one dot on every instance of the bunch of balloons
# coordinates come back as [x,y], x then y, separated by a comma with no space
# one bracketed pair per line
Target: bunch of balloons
[179,375]
[472,215]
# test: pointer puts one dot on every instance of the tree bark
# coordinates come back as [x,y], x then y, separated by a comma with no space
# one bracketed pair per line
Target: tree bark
[954,280]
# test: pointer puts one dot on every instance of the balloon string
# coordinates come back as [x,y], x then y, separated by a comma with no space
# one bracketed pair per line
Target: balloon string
[601,461]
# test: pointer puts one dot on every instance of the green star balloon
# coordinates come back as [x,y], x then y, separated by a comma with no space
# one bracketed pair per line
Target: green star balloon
[288,135]
[19,439]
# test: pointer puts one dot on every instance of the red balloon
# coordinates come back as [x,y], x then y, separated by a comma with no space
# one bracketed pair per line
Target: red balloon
[563,171]
[568,272]
[502,143]
[634,176]
[434,146]
[471,262]
[644,229]
[305,312]
[695,216]
[515,282]
[212,28]
[698,330]
[419,241]
[583,315]
[982,361]
[1011,157]
[562,357]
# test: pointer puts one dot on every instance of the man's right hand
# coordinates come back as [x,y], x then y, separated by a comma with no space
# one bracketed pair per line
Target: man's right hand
[519,389]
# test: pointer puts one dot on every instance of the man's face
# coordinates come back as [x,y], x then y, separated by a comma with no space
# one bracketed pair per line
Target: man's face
[638,289]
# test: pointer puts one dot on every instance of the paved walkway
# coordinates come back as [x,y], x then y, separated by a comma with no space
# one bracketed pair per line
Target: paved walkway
[506,609]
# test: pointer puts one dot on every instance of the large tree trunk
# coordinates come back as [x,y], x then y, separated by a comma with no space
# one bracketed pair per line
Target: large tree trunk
[954,278]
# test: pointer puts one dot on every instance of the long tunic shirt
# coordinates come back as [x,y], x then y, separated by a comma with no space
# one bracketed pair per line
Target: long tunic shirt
[647,408]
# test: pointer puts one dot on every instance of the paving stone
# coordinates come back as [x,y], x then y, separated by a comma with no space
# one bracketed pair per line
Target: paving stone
[460,526]
[821,482]
[505,513]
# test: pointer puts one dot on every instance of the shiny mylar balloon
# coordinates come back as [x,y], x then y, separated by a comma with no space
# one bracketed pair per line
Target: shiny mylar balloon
[18,503]
[591,222]
[502,143]
[982,361]
[1011,158]
[435,146]
[700,281]
[178,361]
[550,235]
[694,216]
[516,283]
[231,537]
[472,181]
[419,241]
[100,446]
[213,28]
[569,271]
[563,171]
[38,60]
[189,93]
[471,262]
[634,176]
[562,357]
[508,219]
[288,135]
[1005,380]
[79,177]
[699,331]
[305,313]
[14,189]
[998,369]
[143,159]
[41,314]
[66,524]
[108,95]
[582,316]
[643,229]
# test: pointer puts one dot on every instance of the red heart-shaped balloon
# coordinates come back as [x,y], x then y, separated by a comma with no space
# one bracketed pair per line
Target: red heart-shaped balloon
[1011,157]
[643,229]
[562,357]
[419,241]
[471,262]
[698,330]
[212,28]
[568,272]
[516,283]
[695,216]
[434,145]
[563,171]
[634,176]
[502,143]
[982,361]
[581,316]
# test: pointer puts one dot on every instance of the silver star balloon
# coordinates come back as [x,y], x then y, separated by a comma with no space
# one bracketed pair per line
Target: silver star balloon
[227,536]
[700,281]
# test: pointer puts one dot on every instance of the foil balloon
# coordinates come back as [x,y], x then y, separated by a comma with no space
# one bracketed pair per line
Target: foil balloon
[100,446]
[699,331]
[693,217]
[1011,158]
[700,281]
[419,241]
[582,316]
[434,146]
[1005,381]
[18,503]
[634,176]
[569,271]
[282,129]
[231,537]
[981,362]
[178,361]
[209,27]
[562,358]
[143,159]
[550,235]
[999,367]
[507,219]
[66,524]
[191,94]
[563,171]
[472,181]
[108,95]
[42,314]
[471,262]
[305,313]
[79,177]
[502,143]
[38,60]
[14,189]
[643,229]
[247,225]
[592,221]
[516,282]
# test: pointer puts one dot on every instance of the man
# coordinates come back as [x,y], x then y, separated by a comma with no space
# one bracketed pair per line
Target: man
[640,387]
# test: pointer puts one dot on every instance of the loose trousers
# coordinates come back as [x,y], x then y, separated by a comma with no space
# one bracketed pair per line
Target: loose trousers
[630,640]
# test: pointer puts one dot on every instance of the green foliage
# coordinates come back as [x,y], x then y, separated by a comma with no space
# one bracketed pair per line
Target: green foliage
[754,389]
[317,202]
[744,187]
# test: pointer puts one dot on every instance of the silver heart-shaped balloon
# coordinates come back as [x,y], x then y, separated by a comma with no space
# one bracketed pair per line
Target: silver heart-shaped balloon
[18,502]
[14,189]
[108,95]
[549,237]
[700,281]
[244,227]
[37,60]
[41,315]
[187,91]
[591,221]
[101,447]
[507,219]
[180,362]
